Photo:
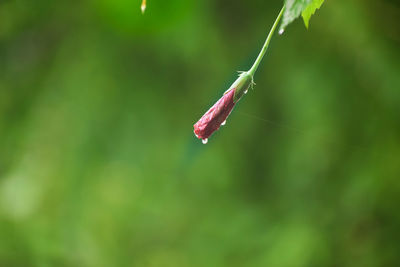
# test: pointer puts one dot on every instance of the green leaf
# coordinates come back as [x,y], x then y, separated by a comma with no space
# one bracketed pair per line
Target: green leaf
[293,9]
[296,7]
[310,10]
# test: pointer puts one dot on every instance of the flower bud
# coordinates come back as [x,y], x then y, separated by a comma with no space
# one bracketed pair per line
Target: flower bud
[219,112]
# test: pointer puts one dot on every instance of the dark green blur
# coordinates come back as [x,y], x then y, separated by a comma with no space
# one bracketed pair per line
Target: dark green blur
[99,165]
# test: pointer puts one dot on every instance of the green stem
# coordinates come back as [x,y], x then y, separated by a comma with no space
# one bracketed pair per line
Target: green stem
[265,47]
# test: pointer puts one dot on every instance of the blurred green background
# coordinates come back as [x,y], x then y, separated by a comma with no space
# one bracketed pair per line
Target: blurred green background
[99,165]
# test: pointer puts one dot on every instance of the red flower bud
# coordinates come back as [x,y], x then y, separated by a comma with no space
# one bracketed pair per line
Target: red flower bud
[215,116]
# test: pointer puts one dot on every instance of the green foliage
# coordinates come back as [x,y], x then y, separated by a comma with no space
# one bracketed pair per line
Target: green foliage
[310,10]
[296,7]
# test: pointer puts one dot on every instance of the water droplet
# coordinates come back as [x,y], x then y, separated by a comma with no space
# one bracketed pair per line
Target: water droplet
[204,141]
[245,92]
[223,123]
[281,31]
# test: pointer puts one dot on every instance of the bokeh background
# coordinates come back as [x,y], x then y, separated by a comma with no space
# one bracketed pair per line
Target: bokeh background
[99,165]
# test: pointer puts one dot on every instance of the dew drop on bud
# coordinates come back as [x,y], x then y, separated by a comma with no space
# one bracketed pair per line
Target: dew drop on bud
[204,141]
[281,31]
[223,123]
[245,92]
